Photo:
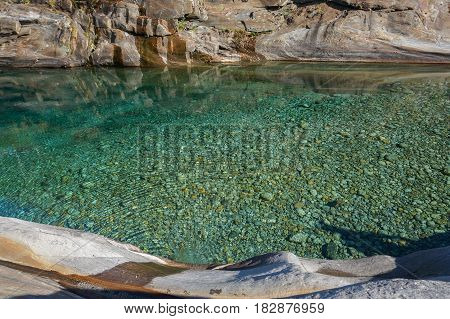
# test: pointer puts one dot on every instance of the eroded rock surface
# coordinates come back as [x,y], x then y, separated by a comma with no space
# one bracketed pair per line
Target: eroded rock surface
[16,283]
[390,289]
[414,31]
[39,36]
[69,259]
[64,33]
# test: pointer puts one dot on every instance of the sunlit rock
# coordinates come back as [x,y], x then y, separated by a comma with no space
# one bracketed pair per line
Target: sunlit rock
[87,260]
[39,36]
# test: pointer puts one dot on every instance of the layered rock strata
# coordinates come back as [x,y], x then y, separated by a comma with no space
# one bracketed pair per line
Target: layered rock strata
[38,261]
[67,33]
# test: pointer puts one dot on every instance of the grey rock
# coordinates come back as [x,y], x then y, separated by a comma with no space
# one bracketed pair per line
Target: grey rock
[364,35]
[9,26]
[398,5]
[58,33]
[102,21]
[438,288]
[144,26]
[45,38]
[267,196]
[164,28]
[66,5]
[261,21]
[68,252]
[18,284]
[126,53]
[275,3]
[123,15]
[104,54]
[207,44]
[298,238]
[174,9]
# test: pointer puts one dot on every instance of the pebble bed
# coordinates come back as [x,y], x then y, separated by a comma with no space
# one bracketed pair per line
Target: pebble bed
[223,170]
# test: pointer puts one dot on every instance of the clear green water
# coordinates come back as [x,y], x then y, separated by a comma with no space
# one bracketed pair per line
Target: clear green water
[222,163]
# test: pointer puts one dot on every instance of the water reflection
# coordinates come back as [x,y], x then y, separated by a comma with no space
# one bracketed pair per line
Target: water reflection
[35,90]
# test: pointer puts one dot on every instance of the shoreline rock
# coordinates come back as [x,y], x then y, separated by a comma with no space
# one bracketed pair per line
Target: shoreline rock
[70,261]
[134,33]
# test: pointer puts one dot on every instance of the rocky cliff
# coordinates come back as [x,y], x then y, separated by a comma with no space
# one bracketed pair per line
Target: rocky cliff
[67,33]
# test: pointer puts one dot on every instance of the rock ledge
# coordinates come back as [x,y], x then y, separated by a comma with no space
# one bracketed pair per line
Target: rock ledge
[39,261]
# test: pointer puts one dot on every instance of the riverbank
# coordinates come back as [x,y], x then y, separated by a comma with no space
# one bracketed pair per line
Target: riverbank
[39,261]
[66,33]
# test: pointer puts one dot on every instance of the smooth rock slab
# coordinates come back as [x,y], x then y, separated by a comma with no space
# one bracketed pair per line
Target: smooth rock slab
[417,35]
[15,283]
[390,289]
[89,261]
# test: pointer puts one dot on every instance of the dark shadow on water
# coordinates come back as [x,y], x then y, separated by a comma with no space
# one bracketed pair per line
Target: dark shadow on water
[371,244]
[412,261]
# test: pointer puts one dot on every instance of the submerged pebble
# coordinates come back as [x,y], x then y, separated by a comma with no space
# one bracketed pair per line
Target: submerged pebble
[267,196]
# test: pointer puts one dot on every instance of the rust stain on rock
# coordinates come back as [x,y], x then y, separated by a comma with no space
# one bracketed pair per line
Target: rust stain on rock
[136,274]
[18,253]
[158,51]
[91,287]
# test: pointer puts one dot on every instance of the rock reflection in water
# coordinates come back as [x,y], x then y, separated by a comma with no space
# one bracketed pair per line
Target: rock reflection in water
[70,88]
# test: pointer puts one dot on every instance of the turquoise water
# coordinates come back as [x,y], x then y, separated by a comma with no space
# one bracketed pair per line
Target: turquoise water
[217,164]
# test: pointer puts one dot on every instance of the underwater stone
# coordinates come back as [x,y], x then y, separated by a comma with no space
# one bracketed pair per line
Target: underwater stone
[298,238]
[87,185]
[267,196]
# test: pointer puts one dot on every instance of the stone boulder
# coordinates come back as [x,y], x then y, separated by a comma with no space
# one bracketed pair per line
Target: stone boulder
[65,5]
[36,36]
[252,16]
[123,15]
[104,54]
[175,9]
[116,47]
[209,45]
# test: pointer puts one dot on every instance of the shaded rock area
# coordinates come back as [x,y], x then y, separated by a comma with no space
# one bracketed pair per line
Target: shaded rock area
[389,289]
[39,261]
[68,33]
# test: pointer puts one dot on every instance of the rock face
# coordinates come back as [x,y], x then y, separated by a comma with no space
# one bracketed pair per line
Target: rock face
[64,33]
[375,30]
[397,5]
[52,261]
[38,36]
[175,9]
